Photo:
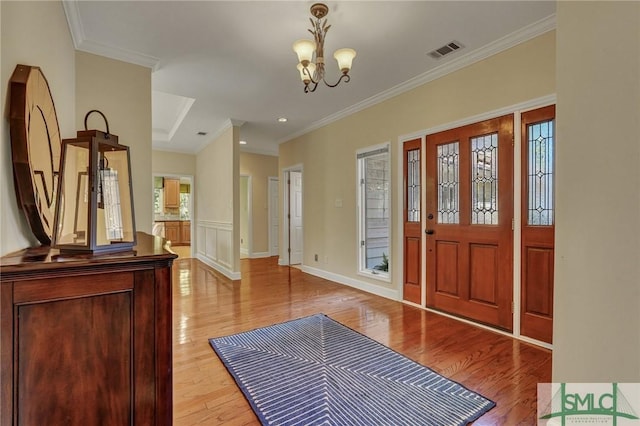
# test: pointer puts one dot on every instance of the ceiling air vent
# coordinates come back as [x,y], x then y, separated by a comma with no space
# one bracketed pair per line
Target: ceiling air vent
[445,50]
[202,133]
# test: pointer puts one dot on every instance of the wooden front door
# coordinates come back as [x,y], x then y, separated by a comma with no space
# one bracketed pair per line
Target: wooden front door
[538,148]
[412,180]
[469,219]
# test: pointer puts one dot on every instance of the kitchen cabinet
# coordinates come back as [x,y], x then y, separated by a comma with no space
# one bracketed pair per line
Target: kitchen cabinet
[172,232]
[171,193]
[86,339]
[177,231]
[185,232]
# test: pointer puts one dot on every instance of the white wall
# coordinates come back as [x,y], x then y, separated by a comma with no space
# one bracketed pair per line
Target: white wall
[597,270]
[33,33]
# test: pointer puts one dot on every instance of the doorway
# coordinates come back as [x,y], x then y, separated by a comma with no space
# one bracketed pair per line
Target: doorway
[466,221]
[469,212]
[246,234]
[293,229]
[273,195]
[173,211]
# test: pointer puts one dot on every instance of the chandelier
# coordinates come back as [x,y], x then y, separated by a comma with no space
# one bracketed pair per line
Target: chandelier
[312,72]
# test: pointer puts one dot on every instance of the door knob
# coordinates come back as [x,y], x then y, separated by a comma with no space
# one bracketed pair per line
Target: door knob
[429,231]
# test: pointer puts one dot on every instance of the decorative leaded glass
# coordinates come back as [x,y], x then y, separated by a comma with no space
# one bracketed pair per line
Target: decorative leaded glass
[413,185]
[540,173]
[484,180]
[448,164]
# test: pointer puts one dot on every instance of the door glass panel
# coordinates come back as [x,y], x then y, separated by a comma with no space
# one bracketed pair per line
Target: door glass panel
[484,180]
[448,164]
[540,173]
[413,185]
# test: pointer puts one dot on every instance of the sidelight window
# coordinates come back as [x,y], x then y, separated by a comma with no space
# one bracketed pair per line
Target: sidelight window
[540,173]
[374,208]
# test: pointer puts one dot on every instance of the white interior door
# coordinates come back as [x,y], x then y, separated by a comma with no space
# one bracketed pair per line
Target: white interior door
[273,216]
[295,201]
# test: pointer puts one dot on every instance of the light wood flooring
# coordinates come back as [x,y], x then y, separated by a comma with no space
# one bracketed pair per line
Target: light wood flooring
[206,304]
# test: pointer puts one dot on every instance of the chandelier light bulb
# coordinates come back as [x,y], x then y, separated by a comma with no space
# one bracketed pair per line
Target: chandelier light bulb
[345,58]
[304,49]
[312,71]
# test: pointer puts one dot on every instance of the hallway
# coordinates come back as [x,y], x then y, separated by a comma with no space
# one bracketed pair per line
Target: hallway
[206,304]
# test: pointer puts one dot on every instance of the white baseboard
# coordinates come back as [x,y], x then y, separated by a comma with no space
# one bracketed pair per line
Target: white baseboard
[224,271]
[352,282]
[260,255]
[244,251]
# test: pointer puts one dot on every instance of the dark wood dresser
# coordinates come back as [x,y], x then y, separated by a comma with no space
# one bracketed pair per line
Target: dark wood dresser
[86,339]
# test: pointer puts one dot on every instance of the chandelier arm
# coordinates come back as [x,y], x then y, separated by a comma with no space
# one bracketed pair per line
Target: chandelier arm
[344,77]
[306,71]
[319,29]
[308,90]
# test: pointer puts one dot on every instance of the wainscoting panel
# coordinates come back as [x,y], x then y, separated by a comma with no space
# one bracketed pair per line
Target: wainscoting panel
[215,246]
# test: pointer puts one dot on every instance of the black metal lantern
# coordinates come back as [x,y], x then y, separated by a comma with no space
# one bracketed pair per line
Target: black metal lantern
[94,209]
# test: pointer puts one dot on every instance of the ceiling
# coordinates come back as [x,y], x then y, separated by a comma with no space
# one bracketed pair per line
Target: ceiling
[215,63]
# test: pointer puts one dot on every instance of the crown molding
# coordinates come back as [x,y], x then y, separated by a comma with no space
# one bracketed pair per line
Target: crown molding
[72,12]
[81,42]
[119,54]
[510,40]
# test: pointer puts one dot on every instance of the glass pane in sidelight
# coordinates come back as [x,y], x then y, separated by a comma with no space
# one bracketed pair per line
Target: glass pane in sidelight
[377,175]
[540,173]
[448,165]
[413,185]
[484,180]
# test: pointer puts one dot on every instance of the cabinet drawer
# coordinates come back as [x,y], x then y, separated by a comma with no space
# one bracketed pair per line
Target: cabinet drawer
[61,288]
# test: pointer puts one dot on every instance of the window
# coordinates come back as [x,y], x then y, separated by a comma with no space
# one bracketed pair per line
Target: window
[374,221]
[540,178]
[484,180]
[448,166]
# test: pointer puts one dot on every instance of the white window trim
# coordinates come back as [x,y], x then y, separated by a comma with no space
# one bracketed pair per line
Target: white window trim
[362,270]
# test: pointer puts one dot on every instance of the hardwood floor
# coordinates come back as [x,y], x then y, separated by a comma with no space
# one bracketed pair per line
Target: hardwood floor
[206,304]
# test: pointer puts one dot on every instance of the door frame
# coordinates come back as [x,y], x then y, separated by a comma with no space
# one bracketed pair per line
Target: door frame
[516,110]
[285,256]
[192,212]
[270,212]
[249,253]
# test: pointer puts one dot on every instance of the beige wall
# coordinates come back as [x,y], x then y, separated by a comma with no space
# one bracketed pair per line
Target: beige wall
[597,270]
[32,33]
[214,173]
[217,196]
[122,91]
[173,163]
[328,154]
[260,168]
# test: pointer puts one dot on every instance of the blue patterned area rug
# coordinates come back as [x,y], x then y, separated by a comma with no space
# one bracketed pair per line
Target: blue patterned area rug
[316,371]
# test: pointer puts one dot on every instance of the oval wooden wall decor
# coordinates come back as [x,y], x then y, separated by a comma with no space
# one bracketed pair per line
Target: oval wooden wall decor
[35,148]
